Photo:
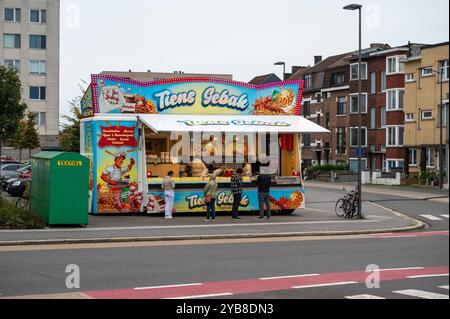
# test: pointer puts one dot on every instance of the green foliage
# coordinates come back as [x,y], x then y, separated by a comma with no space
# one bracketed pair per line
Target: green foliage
[29,137]
[12,106]
[12,217]
[70,133]
[328,168]
[428,177]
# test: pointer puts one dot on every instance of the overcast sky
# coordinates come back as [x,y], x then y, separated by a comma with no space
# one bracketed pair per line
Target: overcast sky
[239,37]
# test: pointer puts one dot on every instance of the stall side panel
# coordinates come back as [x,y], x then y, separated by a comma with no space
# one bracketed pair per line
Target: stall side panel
[117,173]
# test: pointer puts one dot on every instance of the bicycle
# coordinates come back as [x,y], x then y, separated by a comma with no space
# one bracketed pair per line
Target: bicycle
[24,201]
[347,206]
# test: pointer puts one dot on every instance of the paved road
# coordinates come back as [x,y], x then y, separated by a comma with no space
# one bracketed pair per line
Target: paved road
[414,265]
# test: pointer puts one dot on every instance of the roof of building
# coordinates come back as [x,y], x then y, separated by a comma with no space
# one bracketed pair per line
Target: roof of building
[264,79]
[435,45]
[319,67]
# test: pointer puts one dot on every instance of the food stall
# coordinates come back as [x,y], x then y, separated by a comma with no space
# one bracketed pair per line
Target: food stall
[134,133]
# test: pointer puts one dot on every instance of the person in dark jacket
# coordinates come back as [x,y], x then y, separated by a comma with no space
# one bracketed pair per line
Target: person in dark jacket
[263,183]
[236,190]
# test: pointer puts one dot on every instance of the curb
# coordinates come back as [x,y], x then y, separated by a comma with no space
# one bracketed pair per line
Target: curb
[416,225]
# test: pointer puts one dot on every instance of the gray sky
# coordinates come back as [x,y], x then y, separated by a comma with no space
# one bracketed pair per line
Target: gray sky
[240,37]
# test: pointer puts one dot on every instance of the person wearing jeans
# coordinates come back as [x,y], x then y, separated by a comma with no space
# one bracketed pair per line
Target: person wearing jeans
[263,183]
[236,190]
[211,192]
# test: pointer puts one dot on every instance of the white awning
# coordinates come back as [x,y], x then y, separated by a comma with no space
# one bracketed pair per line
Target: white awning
[230,123]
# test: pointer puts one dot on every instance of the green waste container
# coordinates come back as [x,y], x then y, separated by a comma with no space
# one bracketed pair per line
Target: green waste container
[60,187]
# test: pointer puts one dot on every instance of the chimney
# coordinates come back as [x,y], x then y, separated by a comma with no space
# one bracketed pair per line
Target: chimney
[317,59]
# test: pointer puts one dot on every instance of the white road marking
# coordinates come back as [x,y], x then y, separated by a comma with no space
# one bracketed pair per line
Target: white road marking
[445,216]
[409,268]
[444,287]
[325,285]
[203,296]
[168,286]
[427,276]
[294,276]
[431,217]
[364,297]
[421,294]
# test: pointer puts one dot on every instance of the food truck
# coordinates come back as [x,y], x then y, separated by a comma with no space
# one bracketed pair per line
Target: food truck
[134,133]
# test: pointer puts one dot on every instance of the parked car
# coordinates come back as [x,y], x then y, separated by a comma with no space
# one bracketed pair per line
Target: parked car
[10,167]
[13,175]
[17,187]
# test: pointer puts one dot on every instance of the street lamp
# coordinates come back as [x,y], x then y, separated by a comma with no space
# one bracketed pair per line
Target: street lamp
[284,68]
[358,7]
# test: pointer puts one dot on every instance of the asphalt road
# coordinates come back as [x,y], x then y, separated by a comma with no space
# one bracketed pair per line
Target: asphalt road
[416,267]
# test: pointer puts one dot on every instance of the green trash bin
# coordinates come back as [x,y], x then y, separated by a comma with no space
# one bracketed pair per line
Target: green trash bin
[60,188]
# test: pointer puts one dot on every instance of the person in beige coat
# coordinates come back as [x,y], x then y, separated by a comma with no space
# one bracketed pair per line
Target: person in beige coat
[210,193]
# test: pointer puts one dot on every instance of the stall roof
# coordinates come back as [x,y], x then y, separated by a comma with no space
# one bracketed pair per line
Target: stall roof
[230,123]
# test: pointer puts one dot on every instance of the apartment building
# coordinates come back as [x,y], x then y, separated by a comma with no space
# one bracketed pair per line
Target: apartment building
[423,107]
[29,34]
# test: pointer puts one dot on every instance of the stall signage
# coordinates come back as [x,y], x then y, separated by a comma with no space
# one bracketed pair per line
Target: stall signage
[118,136]
[194,96]
[235,122]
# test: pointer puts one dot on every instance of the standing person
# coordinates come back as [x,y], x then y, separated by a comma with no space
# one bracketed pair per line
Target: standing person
[263,183]
[210,192]
[168,185]
[236,190]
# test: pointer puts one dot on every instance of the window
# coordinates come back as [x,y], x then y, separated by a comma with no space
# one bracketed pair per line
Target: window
[395,99]
[308,81]
[412,157]
[12,14]
[427,71]
[409,117]
[444,108]
[354,71]
[37,92]
[38,67]
[341,141]
[373,118]
[427,115]
[307,140]
[394,136]
[40,119]
[430,154]
[38,42]
[395,164]
[409,77]
[393,65]
[13,64]
[319,120]
[11,41]
[354,103]
[318,97]
[337,79]
[443,68]
[307,108]
[354,164]
[383,117]
[383,81]
[341,105]
[38,16]
[327,121]
[354,137]
[373,83]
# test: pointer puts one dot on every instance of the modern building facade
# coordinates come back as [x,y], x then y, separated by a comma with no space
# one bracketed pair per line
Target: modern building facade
[29,37]
[423,106]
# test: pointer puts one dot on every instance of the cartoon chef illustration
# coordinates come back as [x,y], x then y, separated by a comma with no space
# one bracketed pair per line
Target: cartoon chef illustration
[112,175]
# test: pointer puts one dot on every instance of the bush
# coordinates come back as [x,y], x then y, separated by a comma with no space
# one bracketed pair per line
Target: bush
[328,168]
[12,217]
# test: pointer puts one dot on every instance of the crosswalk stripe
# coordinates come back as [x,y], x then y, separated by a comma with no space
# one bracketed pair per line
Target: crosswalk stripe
[364,297]
[446,216]
[325,285]
[431,217]
[421,294]
[444,287]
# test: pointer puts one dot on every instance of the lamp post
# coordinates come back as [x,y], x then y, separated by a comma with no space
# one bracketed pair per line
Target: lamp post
[358,7]
[284,68]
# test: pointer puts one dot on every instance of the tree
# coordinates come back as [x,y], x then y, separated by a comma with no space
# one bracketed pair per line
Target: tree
[17,140]
[70,134]
[12,106]
[30,136]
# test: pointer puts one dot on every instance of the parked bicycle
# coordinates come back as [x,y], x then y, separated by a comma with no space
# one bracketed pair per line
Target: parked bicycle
[347,206]
[23,202]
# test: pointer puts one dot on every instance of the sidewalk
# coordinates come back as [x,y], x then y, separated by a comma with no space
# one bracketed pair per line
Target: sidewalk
[318,219]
